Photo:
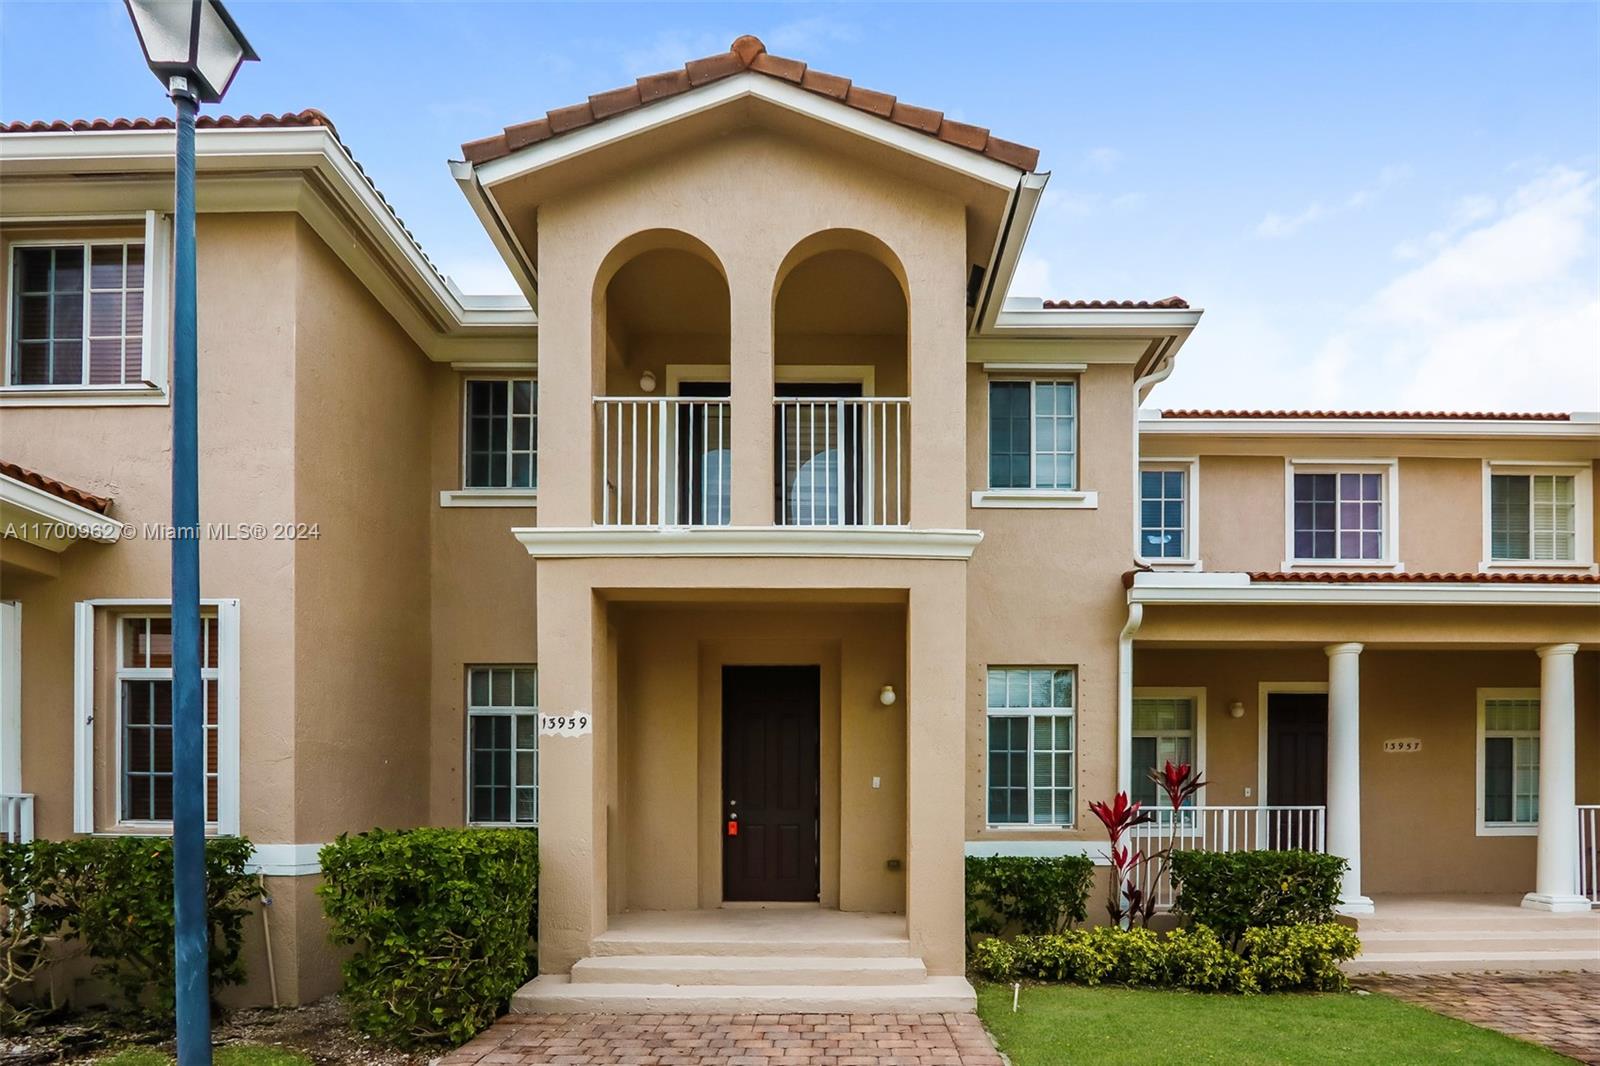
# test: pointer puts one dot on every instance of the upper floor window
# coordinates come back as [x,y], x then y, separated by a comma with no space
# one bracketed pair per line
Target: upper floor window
[503,745]
[1533,517]
[1031,745]
[77,314]
[502,432]
[1165,499]
[144,717]
[1341,515]
[1033,434]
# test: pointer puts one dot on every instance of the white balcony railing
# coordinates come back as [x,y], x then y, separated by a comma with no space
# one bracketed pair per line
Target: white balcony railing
[843,462]
[16,817]
[1227,829]
[664,462]
[1589,851]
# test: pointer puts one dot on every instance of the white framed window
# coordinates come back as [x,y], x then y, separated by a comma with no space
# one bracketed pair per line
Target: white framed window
[1341,513]
[1537,515]
[1508,761]
[503,745]
[85,321]
[1031,726]
[140,711]
[499,443]
[1168,725]
[1168,525]
[1033,432]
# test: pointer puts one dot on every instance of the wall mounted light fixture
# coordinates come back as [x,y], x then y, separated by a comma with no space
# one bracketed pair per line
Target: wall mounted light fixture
[1236,709]
[647,381]
[886,695]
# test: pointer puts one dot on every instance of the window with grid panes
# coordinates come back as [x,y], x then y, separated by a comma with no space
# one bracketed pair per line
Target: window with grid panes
[502,434]
[1163,731]
[503,745]
[1033,434]
[1511,761]
[144,712]
[1338,516]
[1533,517]
[1031,742]
[77,314]
[1163,497]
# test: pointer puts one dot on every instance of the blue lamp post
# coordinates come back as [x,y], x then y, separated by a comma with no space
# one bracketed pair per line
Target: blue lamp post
[195,49]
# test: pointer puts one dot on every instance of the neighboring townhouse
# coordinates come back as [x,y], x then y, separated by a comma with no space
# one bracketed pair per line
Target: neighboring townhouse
[763,554]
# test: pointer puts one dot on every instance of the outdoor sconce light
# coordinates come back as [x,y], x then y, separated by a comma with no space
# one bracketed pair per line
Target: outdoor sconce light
[196,41]
[886,695]
[647,381]
[1236,709]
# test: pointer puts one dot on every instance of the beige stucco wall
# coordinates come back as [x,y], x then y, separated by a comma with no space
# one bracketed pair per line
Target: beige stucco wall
[1419,810]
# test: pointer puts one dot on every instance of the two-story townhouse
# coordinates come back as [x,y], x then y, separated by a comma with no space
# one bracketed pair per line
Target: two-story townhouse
[764,555]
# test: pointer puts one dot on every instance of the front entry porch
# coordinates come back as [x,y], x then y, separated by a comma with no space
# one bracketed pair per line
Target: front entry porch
[1473,933]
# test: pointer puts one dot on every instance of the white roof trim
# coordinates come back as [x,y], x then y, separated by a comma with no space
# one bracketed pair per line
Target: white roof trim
[1237,589]
[804,542]
[1582,426]
[1140,321]
[747,84]
[52,509]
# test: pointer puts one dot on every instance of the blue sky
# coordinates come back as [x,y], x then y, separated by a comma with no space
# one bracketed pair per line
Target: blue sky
[1378,205]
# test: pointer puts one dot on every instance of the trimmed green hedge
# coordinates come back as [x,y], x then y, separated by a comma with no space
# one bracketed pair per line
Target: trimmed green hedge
[1304,957]
[1234,891]
[1028,895]
[442,921]
[115,895]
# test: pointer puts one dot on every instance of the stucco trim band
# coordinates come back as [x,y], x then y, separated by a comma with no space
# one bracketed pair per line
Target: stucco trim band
[1237,588]
[585,542]
[285,860]
[1047,499]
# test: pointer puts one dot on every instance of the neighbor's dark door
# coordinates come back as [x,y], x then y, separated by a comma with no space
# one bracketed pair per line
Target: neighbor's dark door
[1297,764]
[770,738]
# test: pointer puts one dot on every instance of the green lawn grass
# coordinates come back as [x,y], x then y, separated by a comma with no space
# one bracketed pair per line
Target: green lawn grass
[1065,1025]
[231,1055]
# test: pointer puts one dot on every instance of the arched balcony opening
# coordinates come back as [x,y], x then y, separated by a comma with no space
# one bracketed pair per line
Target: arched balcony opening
[841,406]
[662,419]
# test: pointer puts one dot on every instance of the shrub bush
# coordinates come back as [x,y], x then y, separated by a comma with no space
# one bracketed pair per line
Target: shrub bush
[441,920]
[115,895]
[1197,959]
[23,931]
[1300,956]
[1239,890]
[1009,893]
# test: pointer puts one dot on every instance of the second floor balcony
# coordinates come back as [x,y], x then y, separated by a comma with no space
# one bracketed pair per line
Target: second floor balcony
[838,460]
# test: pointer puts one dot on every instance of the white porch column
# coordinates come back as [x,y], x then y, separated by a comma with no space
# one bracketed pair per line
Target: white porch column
[1344,770]
[1556,875]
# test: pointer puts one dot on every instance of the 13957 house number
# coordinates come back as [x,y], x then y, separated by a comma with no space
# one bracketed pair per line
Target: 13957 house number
[576,724]
[1403,744]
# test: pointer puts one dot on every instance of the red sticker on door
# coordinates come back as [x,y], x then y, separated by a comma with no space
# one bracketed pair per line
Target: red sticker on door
[733,829]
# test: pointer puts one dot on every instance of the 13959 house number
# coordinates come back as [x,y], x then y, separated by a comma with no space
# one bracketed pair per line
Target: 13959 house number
[576,724]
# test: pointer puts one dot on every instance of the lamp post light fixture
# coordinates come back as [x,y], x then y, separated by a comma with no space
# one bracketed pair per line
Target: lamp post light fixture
[194,48]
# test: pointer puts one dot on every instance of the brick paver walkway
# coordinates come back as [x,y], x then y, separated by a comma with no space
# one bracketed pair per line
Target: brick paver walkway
[730,1040]
[1559,1010]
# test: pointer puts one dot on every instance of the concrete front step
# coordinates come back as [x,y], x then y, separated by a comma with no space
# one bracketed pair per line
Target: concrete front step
[1409,962]
[557,994]
[715,942]
[1533,940]
[747,970]
[1577,926]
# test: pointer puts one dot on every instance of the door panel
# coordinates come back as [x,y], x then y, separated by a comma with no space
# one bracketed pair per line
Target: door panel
[770,782]
[1297,762]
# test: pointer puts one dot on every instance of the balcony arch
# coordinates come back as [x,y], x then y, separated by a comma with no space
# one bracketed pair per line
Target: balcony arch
[660,351]
[841,382]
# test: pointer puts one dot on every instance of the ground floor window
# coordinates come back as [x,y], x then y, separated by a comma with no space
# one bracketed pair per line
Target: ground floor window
[1163,731]
[1508,753]
[144,716]
[503,745]
[1031,743]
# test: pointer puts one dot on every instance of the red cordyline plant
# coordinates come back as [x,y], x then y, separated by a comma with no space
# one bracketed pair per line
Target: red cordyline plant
[1128,901]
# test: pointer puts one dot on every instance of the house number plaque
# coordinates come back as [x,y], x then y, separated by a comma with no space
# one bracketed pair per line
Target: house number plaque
[576,724]
[1403,744]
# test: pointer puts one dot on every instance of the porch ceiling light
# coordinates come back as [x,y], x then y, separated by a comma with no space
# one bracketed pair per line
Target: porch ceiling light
[1236,709]
[886,695]
[195,40]
[647,381]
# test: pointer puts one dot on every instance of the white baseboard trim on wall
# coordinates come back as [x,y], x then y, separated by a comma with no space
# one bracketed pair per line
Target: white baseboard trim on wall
[285,860]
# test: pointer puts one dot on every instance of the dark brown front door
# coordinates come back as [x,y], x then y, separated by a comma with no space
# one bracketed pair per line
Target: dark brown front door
[1297,764]
[770,738]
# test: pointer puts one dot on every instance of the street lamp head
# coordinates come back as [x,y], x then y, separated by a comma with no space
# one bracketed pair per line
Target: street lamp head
[193,46]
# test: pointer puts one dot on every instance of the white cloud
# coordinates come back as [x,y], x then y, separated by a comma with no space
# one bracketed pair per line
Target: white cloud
[1275,225]
[1104,160]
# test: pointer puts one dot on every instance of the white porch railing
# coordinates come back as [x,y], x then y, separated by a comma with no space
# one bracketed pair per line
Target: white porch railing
[843,461]
[16,817]
[1589,851]
[664,462]
[1227,829]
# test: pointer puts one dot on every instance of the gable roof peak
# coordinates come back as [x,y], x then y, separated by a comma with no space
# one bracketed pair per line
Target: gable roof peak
[747,47]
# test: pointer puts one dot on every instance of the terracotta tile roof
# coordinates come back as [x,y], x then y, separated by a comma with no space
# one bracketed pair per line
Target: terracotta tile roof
[748,53]
[1171,303]
[58,489]
[1477,416]
[1344,577]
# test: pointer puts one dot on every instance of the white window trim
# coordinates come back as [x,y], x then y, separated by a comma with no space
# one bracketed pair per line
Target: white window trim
[1583,520]
[1198,695]
[493,497]
[1030,826]
[83,653]
[1190,559]
[1500,829]
[466,742]
[1073,499]
[155,338]
[10,697]
[1390,471]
